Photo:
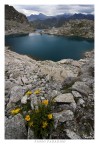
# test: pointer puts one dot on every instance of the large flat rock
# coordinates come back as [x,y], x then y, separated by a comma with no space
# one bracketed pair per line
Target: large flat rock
[82,88]
[64,98]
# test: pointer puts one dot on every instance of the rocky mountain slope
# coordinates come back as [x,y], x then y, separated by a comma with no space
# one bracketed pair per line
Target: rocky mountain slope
[43,21]
[68,82]
[81,28]
[12,14]
[16,22]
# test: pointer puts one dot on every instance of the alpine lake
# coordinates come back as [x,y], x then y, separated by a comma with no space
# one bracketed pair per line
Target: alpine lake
[49,47]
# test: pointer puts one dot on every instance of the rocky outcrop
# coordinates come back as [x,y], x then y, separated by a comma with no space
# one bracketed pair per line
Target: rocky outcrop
[68,82]
[80,28]
[14,27]
[12,14]
[16,22]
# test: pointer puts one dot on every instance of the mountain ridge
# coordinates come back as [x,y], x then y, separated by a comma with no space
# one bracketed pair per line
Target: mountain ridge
[66,16]
[59,20]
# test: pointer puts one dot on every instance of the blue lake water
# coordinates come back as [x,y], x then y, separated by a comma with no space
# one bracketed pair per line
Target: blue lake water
[49,47]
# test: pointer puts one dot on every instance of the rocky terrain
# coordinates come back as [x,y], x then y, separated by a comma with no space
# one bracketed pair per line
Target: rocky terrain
[16,22]
[81,28]
[42,21]
[68,82]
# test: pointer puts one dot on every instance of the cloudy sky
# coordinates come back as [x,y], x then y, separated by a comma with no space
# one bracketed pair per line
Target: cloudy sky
[51,10]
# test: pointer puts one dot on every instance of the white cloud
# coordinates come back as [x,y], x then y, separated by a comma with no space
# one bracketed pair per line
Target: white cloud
[28,12]
[54,9]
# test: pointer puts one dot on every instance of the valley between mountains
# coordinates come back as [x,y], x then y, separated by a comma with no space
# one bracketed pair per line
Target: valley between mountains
[68,83]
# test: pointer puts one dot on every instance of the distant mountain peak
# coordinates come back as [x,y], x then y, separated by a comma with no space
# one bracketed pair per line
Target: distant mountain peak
[39,16]
[42,14]
[65,16]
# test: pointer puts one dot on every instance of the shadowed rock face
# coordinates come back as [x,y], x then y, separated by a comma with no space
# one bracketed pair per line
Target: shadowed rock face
[16,22]
[12,14]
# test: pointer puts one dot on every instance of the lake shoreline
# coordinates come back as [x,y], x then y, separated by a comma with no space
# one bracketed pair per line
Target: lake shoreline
[82,28]
[69,36]
[66,36]
[59,43]
[85,55]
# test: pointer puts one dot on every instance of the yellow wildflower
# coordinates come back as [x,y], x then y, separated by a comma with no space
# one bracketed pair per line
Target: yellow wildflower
[50,116]
[44,124]
[30,124]
[45,102]
[28,93]
[37,92]
[27,118]
[15,111]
